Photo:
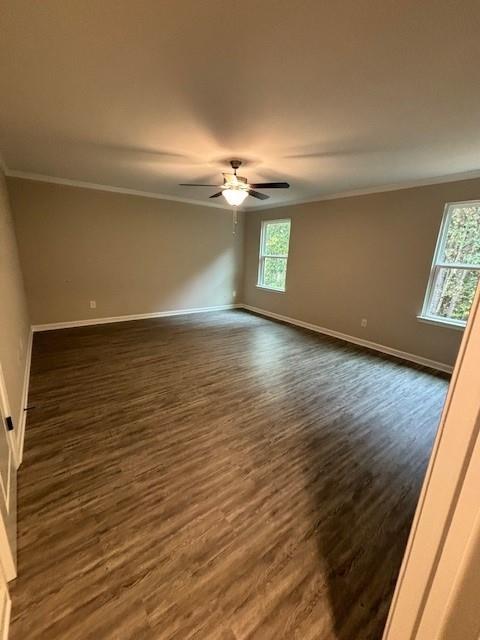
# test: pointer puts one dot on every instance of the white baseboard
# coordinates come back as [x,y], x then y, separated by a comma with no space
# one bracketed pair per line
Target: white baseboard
[23,417]
[138,316]
[426,362]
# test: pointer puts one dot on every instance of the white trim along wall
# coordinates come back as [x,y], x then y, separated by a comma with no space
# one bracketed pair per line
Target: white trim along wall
[433,364]
[20,437]
[441,366]
[137,316]
[103,187]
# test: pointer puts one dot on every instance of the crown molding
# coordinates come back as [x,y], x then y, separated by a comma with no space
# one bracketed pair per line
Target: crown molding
[38,177]
[453,177]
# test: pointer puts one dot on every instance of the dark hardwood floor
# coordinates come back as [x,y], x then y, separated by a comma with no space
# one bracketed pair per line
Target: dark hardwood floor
[216,477]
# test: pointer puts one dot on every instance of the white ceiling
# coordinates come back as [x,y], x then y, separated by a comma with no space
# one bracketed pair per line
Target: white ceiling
[332,96]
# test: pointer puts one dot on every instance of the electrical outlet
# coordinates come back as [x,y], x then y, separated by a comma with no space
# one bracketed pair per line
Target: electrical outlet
[234,294]
[363,323]
[93,304]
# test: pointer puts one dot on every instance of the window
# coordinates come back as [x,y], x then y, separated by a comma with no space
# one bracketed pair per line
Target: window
[272,268]
[456,266]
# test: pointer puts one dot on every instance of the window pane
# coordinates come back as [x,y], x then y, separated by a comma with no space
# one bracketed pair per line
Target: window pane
[453,291]
[274,273]
[276,239]
[462,242]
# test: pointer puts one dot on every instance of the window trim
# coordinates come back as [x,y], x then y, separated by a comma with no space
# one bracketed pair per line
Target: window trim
[424,316]
[261,256]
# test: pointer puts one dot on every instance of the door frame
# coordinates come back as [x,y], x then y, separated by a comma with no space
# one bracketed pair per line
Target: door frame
[7,561]
[446,522]
[7,558]
[5,607]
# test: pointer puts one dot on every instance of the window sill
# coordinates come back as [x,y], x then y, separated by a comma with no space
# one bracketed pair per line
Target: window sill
[261,286]
[442,322]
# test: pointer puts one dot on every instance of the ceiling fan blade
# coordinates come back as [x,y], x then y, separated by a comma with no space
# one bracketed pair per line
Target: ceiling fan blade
[186,184]
[270,185]
[257,194]
[216,195]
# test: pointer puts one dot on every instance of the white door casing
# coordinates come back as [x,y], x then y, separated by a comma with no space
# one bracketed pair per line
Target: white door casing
[7,486]
[432,590]
[5,607]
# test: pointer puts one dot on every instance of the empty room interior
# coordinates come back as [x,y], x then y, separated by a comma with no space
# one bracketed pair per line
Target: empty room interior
[239,326]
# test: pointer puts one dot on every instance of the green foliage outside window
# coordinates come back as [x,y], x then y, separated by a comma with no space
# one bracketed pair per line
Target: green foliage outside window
[454,288]
[275,240]
[277,236]
[275,273]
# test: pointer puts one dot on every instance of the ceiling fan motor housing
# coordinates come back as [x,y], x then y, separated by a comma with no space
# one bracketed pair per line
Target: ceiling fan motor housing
[229,178]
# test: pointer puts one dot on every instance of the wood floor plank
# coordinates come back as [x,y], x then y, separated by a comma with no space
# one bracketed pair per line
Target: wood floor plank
[216,477]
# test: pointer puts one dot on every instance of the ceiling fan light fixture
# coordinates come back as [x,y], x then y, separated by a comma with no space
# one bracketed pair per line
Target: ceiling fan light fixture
[235,196]
[236,188]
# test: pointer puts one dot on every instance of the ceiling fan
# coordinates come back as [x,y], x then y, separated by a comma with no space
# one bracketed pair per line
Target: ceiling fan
[236,188]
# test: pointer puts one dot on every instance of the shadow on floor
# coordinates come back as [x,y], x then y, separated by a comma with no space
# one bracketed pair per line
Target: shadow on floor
[364,477]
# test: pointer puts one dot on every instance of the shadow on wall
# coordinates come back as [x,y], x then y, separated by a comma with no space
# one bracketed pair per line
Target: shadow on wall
[214,282]
[130,255]
[147,289]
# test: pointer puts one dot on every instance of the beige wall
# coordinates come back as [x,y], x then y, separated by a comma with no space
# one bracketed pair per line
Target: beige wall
[14,319]
[14,333]
[350,258]
[131,254]
[362,257]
